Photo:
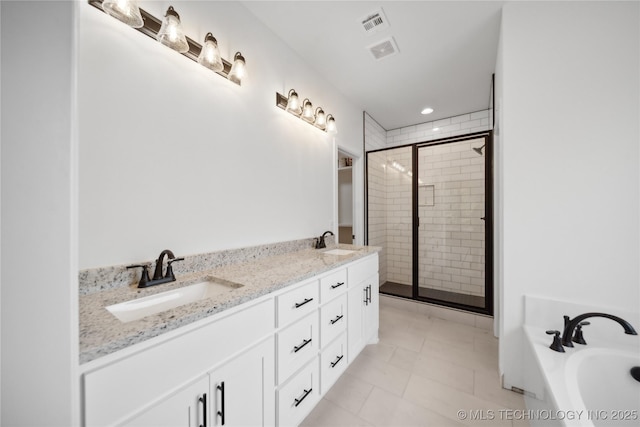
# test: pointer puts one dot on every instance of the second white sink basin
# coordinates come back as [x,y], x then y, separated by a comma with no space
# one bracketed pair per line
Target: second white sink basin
[338,252]
[129,311]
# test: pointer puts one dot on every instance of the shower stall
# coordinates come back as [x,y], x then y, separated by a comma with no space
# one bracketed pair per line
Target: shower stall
[429,208]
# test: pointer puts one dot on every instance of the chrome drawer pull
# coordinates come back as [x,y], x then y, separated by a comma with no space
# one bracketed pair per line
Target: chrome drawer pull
[299,347]
[333,364]
[300,304]
[336,319]
[306,393]
[337,285]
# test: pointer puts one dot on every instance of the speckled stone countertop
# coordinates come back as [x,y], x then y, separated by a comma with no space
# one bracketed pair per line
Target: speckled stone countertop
[101,333]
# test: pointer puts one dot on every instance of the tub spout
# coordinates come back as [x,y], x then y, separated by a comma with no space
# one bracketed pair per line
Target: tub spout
[570,325]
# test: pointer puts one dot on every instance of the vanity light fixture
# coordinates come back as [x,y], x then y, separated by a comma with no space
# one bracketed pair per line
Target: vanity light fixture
[170,33]
[321,120]
[304,111]
[126,11]
[293,103]
[331,125]
[210,54]
[239,69]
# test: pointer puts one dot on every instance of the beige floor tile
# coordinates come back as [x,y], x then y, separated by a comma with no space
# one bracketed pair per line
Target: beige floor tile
[381,351]
[328,414]
[380,374]
[409,340]
[349,392]
[453,403]
[404,359]
[476,360]
[386,409]
[487,386]
[445,372]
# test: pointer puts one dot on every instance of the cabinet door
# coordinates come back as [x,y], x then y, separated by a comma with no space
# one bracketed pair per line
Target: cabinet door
[185,408]
[357,299]
[243,389]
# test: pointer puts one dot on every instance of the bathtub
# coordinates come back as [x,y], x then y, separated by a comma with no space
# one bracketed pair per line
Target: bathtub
[587,386]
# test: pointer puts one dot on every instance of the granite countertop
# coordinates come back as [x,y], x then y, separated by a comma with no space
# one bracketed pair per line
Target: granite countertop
[101,333]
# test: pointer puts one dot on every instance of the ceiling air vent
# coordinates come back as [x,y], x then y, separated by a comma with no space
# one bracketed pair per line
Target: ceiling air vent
[374,21]
[383,48]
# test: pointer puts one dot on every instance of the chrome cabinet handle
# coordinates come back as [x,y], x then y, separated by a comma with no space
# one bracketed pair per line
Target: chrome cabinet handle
[300,304]
[299,401]
[299,347]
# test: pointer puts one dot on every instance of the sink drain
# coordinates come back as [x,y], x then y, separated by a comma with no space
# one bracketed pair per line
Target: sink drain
[635,373]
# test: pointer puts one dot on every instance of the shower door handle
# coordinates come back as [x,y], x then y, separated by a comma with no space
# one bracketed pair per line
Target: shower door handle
[483,218]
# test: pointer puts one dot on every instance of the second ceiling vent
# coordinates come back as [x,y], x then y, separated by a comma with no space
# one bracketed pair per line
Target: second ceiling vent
[383,48]
[374,22]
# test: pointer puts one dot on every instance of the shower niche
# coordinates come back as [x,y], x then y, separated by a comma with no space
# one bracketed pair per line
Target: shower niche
[429,208]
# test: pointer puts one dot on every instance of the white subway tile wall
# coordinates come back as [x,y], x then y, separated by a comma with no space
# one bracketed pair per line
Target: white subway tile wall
[454,126]
[451,203]
[451,237]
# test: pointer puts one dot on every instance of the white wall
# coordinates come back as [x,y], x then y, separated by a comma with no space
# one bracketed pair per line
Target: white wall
[569,186]
[173,156]
[39,216]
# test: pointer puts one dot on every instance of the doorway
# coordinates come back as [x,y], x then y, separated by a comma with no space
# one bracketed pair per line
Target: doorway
[345,198]
[429,208]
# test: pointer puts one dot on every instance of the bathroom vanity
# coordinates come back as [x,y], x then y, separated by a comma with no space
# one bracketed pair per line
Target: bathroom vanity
[263,355]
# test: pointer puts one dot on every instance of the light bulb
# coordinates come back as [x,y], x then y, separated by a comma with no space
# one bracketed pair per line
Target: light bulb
[293,103]
[321,119]
[307,111]
[126,11]
[210,55]
[238,69]
[171,33]
[331,125]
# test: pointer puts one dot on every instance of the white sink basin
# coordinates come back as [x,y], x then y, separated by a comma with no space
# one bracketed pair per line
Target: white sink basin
[338,252]
[129,311]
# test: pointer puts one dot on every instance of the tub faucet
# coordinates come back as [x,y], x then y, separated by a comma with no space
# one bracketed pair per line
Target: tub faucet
[320,244]
[571,324]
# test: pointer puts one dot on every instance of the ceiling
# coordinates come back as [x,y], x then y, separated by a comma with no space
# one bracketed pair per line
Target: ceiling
[446,53]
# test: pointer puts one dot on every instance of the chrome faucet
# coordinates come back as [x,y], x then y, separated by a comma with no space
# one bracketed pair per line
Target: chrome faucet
[571,324]
[158,276]
[320,244]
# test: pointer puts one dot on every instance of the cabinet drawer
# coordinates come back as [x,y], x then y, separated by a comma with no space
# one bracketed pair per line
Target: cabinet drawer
[297,344]
[297,303]
[333,362]
[333,285]
[298,397]
[360,270]
[333,320]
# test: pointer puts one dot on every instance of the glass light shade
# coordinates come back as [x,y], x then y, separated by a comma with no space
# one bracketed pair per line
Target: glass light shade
[126,11]
[293,103]
[210,54]
[171,33]
[331,125]
[307,111]
[321,120]
[238,69]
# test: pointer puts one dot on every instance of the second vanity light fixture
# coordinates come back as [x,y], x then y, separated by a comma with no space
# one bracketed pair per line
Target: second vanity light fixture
[169,32]
[305,111]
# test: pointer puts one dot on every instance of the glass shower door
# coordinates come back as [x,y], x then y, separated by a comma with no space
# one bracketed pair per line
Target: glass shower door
[389,216]
[451,223]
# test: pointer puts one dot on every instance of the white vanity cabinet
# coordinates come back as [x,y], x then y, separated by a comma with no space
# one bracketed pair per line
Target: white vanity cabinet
[185,408]
[363,305]
[266,362]
[242,389]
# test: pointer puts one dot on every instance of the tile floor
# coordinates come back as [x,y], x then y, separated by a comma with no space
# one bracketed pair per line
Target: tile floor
[421,373]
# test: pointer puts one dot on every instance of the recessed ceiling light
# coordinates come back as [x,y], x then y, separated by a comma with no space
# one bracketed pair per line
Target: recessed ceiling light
[427,110]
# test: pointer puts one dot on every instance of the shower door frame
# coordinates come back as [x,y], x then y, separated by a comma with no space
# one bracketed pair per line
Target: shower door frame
[488,223]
